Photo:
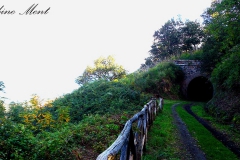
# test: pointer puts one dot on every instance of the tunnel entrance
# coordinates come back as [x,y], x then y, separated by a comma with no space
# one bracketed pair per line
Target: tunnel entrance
[200,89]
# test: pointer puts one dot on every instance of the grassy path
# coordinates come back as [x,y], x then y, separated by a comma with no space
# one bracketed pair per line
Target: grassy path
[164,142]
[189,144]
[213,148]
[162,138]
[217,134]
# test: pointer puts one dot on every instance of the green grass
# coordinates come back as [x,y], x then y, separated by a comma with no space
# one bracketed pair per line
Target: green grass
[228,129]
[162,140]
[213,149]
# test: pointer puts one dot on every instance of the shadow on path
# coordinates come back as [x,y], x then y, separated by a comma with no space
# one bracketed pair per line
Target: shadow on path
[221,137]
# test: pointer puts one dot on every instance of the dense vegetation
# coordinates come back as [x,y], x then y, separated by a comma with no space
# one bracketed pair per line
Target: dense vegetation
[217,44]
[104,68]
[173,39]
[222,59]
[83,123]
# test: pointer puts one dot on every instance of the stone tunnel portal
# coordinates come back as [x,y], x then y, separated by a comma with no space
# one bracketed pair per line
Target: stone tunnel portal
[200,89]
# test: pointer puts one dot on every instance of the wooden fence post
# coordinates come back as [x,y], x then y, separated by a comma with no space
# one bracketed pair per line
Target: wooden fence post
[130,144]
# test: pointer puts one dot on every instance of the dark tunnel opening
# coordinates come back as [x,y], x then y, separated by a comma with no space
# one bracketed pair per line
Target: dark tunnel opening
[200,89]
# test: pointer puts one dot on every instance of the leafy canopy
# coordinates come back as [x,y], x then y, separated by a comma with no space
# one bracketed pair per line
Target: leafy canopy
[222,21]
[172,39]
[104,68]
[221,59]
[221,25]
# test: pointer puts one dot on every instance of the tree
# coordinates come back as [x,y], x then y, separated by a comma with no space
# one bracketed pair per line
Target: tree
[221,25]
[191,35]
[222,21]
[172,39]
[104,68]
[166,41]
[221,59]
[15,111]
[2,109]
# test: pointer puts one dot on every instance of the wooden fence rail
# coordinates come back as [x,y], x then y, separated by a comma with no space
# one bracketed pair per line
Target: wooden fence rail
[131,142]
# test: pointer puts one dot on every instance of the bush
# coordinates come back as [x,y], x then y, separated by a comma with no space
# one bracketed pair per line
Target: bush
[16,141]
[225,105]
[162,80]
[73,141]
[197,55]
[101,97]
[227,73]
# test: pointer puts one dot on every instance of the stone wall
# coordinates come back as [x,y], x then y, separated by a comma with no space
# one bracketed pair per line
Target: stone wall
[191,69]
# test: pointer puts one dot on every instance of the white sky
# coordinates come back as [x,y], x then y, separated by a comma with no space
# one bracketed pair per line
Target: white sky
[43,54]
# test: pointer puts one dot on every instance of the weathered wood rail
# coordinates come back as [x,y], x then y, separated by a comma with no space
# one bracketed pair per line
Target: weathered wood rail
[131,142]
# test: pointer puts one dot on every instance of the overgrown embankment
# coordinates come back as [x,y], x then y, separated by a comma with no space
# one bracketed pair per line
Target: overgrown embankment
[85,122]
[225,105]
[221,58]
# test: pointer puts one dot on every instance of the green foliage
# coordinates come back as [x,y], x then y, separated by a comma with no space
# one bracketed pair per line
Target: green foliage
[166,40]
[163,142]
[101,97]
[173,39]
[15,111]
[191,35]
[226,75]
[50,135]
[225,105]
[221,59]
[211,55]
[38,117]
[104,68]
[197,55]
[95,131]
[2,109]
[16,141]
[162,80]
[221,21]
[63,115]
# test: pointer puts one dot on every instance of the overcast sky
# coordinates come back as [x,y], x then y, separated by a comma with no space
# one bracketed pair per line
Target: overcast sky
[43,54]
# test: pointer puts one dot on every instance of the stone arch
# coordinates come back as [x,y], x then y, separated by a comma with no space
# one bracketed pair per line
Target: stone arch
[195,85]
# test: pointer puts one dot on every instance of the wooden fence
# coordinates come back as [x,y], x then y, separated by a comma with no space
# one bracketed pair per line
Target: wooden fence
[131,142]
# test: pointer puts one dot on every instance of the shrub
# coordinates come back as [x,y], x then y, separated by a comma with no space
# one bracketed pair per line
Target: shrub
[162,80]
[197,55]
[16,141]
[73,141]
[225,104]
[101,97]
[227,73]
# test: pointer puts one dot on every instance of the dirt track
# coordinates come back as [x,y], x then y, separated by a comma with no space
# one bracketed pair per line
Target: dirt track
[189,146]
[221,137]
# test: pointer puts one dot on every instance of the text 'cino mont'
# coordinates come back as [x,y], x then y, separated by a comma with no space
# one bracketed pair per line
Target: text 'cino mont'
[32,10]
